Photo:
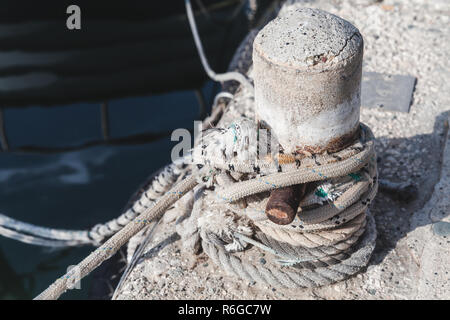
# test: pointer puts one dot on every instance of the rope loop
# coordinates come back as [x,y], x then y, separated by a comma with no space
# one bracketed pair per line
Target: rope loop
[333,234]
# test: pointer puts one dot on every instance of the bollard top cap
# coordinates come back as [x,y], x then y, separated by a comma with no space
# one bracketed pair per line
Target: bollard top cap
[308,39]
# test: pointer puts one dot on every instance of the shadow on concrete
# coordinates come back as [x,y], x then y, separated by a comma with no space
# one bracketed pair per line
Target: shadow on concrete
[393,216]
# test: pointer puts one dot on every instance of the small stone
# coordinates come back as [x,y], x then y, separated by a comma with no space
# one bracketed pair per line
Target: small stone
[156,269]
[390,159]
[372,291]
[200,289]
[441,228]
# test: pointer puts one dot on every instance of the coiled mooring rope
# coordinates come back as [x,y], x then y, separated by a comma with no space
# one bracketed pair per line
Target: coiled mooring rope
[322,245]
[304,277]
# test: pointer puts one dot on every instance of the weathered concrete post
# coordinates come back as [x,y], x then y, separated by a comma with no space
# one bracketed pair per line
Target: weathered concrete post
[307,74]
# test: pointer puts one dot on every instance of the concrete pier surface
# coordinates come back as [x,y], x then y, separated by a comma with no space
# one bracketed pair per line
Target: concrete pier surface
[412,255]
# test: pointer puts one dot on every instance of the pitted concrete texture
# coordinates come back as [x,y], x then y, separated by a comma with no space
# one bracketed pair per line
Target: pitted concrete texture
[308,39]
[307,74]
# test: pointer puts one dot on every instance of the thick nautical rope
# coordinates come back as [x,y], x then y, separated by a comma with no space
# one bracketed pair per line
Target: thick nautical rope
[333,167]
[302,278]
[159,184]
[320,240]
[113,244]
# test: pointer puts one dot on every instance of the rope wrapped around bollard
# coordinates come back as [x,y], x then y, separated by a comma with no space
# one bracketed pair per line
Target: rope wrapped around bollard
[322,245]
[325,240]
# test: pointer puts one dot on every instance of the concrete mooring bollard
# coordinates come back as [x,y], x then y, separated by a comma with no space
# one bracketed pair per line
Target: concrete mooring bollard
[307,73]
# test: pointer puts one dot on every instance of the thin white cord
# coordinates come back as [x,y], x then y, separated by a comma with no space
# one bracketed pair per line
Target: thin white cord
[220,95]
[236,76]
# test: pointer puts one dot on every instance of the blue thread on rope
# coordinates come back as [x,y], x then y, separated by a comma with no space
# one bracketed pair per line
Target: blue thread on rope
[175,192]
[233,127]
[268,183]
[319,173]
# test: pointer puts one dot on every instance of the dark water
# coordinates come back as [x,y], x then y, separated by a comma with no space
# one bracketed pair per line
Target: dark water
[76,190]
